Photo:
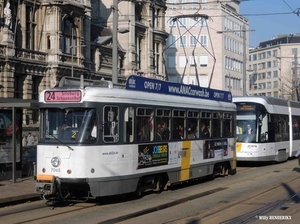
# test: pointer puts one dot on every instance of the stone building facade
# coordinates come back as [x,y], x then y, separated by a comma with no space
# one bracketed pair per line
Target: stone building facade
[273,68]
[52,39]
[146,39]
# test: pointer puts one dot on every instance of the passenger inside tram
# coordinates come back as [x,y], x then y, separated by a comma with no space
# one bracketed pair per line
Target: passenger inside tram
[204,133]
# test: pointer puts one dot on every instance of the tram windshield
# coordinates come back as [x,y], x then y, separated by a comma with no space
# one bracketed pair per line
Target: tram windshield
[246,128]
[70,125]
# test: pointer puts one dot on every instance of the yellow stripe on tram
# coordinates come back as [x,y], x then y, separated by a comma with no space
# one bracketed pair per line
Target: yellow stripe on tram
[238,146]
[185,160]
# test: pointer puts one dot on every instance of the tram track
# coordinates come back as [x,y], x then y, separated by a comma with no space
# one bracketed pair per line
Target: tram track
[109,203]
[76,207]
[223,206]
[251,216]
[265,209]
[162,206]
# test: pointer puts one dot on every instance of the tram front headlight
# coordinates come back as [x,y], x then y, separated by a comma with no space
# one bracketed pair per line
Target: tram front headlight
[55,161]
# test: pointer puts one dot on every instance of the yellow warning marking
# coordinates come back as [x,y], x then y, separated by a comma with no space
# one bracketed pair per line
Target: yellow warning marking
[185,160]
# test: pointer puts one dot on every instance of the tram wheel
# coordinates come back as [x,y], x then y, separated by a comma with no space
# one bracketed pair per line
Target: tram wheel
[160,185]
[138,191]
[224,170]
[211,176]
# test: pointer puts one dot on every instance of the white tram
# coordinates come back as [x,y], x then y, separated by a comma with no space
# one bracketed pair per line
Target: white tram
[275,134]
[100,141]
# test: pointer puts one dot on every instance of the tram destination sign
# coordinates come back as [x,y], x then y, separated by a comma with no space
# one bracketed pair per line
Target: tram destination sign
[62,96]
[157,86]
[245,107]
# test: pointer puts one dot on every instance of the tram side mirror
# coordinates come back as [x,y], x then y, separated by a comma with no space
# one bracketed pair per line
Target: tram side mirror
[110,116]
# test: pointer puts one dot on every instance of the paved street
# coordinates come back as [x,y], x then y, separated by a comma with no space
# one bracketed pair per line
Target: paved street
[251,194]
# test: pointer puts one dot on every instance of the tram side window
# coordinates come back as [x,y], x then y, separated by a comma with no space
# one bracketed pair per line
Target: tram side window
[110,124]
[296,130]
[179,125]
[128,124]
[193,124]
[277,128]
[162,122]
[263,127]
[144,119]
[205,120]
[227,125]
[216,125]
[285,128]
[281,128]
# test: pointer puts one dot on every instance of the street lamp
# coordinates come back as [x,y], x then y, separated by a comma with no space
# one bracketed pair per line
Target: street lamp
[72,47]
[244,53]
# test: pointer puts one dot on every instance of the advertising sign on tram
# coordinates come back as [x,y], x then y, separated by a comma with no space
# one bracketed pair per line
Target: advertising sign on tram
[157,86]
[152,155]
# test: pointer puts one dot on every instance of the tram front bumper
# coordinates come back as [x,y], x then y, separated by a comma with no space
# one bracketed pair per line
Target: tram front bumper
[45,184]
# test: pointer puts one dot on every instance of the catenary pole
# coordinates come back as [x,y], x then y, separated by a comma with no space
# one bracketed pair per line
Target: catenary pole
[115,56]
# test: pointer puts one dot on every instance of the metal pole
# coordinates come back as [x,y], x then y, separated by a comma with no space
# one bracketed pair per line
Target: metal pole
[296,77]
[254,78]
[229,87]
[244,60]
[115,43]
[72,48]
[14,151]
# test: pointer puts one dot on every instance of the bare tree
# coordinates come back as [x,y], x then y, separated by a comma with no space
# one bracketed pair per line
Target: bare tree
[289,81]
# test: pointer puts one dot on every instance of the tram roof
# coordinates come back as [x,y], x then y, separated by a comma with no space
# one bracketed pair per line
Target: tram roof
[140,90]
[150,98]
[272,104]
[108,95]
[261,99]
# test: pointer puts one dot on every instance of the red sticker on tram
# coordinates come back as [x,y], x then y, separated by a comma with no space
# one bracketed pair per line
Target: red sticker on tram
[63,96]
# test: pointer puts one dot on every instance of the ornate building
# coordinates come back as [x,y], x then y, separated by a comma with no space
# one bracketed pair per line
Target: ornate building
[42,41]
[145,41]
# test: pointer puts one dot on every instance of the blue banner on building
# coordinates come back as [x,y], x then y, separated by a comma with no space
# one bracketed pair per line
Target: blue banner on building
[157,86]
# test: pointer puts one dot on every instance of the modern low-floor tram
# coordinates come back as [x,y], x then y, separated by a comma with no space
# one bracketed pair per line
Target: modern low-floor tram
[267,128]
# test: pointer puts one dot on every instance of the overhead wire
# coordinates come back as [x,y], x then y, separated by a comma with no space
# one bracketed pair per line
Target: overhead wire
[296,11]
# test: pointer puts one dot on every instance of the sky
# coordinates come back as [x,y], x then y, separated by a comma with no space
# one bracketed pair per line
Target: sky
[270,17]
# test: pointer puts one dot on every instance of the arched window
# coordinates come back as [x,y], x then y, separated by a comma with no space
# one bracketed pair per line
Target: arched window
[68,32]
